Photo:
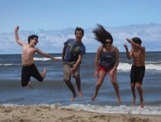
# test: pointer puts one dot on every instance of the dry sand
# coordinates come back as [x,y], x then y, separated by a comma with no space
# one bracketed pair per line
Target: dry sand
[49,114]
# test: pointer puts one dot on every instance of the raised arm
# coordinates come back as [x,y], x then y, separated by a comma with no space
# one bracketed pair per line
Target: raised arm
[128,54]
[17,37]
[134,44]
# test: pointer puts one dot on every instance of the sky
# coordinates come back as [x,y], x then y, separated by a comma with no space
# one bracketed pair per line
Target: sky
[48,15]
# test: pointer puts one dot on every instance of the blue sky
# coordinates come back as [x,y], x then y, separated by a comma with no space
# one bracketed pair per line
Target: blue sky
[62,14]
[44,17]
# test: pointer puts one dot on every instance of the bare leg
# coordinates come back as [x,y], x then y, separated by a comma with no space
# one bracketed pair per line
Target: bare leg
[98,84]
[70,86]
[43,74]
[73,98]
[29,85]
[139,88]
[116,86]
[133,93]
[78,81]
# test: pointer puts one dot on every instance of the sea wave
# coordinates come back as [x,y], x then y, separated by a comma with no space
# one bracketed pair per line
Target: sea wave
[122,66]
[122,109]
[45,59]
[10,64]
[148,66]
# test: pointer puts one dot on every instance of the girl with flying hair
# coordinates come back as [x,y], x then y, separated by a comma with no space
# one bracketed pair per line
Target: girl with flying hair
[106,61]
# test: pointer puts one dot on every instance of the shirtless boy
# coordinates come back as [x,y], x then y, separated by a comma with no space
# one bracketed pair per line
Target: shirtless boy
[138,67]
[28,66]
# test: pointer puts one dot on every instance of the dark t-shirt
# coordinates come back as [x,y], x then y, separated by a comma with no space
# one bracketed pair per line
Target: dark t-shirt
[74,49]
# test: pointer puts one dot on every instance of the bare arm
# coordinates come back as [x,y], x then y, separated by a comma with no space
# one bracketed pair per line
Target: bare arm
[128,54]
[80,57]
[17,37]
[135,45]
[97,58]
[44,54]
[117,59]
[63,53]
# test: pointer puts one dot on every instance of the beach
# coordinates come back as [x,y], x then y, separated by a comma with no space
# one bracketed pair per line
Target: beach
[39,113]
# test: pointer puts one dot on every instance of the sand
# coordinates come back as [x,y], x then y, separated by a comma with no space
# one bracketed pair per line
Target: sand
[37,113]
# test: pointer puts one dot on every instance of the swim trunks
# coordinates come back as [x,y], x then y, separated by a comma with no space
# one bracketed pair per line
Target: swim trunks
[137,74]
[27,72]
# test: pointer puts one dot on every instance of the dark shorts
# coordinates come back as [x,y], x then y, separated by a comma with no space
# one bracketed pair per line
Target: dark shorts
[137,74]
[102,68]
[27,72]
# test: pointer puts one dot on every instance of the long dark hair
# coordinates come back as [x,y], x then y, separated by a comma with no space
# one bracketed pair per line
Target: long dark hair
[101,34]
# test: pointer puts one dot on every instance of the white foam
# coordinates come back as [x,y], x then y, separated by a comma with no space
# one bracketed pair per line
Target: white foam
[41,59]
[9,64]
[46,59]
[149,66]
[147,110]
[122,109]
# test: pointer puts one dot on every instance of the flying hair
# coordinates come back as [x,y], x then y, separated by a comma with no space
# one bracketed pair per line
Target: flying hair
[101,34]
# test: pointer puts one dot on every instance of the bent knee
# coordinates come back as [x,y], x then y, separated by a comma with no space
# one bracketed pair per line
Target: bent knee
[40,79]
[23,84]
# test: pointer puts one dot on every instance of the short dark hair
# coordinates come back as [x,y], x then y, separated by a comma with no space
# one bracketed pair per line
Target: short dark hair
[32,37]
[137,40]
[101,34]
[79,29]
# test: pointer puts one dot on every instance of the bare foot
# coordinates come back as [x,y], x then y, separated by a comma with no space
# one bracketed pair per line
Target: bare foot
[118,100]
[73,98]
[44,73]
[133,101]
[142,104]
[80,94]
[29,85]
[93,98]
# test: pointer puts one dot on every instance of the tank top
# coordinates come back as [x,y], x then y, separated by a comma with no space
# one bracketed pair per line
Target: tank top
[107,59]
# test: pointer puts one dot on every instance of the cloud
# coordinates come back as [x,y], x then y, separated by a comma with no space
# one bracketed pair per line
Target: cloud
[51,41]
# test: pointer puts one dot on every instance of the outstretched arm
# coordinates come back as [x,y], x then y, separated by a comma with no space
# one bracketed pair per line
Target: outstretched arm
[45,54]
[17,37]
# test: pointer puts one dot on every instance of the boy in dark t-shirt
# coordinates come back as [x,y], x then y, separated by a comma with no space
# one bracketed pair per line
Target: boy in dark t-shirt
[72,56]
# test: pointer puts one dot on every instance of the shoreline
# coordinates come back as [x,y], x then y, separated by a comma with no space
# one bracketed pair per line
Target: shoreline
[40,113]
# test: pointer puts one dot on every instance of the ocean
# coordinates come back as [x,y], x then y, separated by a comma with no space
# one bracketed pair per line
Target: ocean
[54,92]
